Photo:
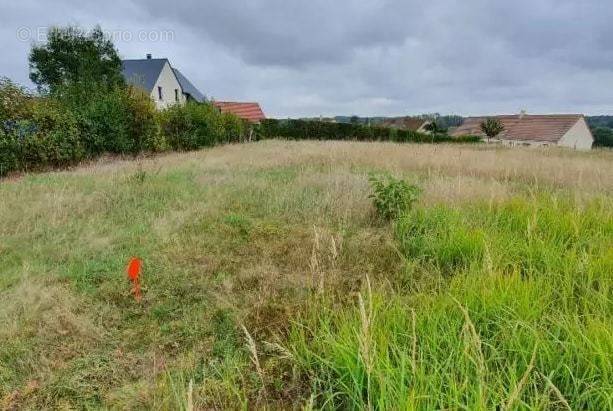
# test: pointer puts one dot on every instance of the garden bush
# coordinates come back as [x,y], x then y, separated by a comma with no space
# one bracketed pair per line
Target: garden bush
[10,157]
[234,128]
[15,101]
[196,125]
[143,125]
[15,110]
[51,138]
[120,120]
[47,134]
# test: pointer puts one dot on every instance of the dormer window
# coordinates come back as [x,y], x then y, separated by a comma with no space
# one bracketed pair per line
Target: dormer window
[160,96]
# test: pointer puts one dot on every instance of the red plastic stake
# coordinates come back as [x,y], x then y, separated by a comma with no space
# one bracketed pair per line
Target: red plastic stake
[133,269]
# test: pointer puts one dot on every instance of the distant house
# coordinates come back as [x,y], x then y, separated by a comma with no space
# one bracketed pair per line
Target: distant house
[406,123]
[247,111]
[564,130]
[166,85]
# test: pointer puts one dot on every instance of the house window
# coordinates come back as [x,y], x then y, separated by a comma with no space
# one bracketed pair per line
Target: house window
[176,94]
[160,93]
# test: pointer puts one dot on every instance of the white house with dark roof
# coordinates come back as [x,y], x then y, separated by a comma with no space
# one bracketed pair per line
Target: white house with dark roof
[563,130]
[166,85]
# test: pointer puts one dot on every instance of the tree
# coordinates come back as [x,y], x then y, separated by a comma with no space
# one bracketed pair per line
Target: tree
[71,56]
[492,127]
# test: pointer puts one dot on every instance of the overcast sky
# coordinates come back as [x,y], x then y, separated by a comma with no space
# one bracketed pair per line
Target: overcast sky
[368,57]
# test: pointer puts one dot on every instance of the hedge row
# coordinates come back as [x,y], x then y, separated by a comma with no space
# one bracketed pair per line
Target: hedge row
[78,123]
[318,130]
[81,122]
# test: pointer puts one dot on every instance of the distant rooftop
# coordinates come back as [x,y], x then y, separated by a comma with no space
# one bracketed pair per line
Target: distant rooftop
[523,127]
[247,111]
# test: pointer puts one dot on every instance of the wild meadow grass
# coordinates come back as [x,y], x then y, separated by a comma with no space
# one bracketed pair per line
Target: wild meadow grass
[269,281]
[513,311]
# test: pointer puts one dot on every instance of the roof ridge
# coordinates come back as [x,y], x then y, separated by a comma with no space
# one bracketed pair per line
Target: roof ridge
[151,59]
[235,102]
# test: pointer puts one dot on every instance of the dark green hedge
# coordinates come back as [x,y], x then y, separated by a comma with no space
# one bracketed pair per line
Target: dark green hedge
[196,125]
[79,122]
[319,130]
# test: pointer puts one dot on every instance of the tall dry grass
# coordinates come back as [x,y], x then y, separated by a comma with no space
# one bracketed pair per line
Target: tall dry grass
[246,234]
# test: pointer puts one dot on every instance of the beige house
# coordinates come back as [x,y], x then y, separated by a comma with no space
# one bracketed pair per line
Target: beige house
[166,85]
[563,130]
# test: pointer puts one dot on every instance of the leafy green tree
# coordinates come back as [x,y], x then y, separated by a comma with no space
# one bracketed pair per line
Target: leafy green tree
[492,127]
[72,56]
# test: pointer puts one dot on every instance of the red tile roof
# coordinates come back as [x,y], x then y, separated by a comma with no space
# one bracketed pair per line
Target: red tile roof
[247,111]
[404,123]
[545,128]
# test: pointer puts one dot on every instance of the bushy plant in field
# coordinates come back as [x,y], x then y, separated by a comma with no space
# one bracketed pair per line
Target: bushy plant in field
[391,196]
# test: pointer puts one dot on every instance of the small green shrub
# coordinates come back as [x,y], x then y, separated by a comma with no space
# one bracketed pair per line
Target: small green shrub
[391,196]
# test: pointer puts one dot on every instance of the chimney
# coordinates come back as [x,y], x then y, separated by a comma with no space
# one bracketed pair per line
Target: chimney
[148,56]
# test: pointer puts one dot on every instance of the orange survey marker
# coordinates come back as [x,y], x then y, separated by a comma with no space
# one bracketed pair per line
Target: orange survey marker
[134,267]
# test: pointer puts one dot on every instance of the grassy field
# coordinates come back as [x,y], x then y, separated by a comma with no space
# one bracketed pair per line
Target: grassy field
[269,281]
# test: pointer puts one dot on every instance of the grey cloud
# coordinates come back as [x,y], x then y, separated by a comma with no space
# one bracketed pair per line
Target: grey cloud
[302,58]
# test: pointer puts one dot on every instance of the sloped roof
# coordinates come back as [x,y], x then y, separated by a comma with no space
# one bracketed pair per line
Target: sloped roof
[247,111]
[145,72]
[188,87]
[404,123]
[545,128]
[142,72]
